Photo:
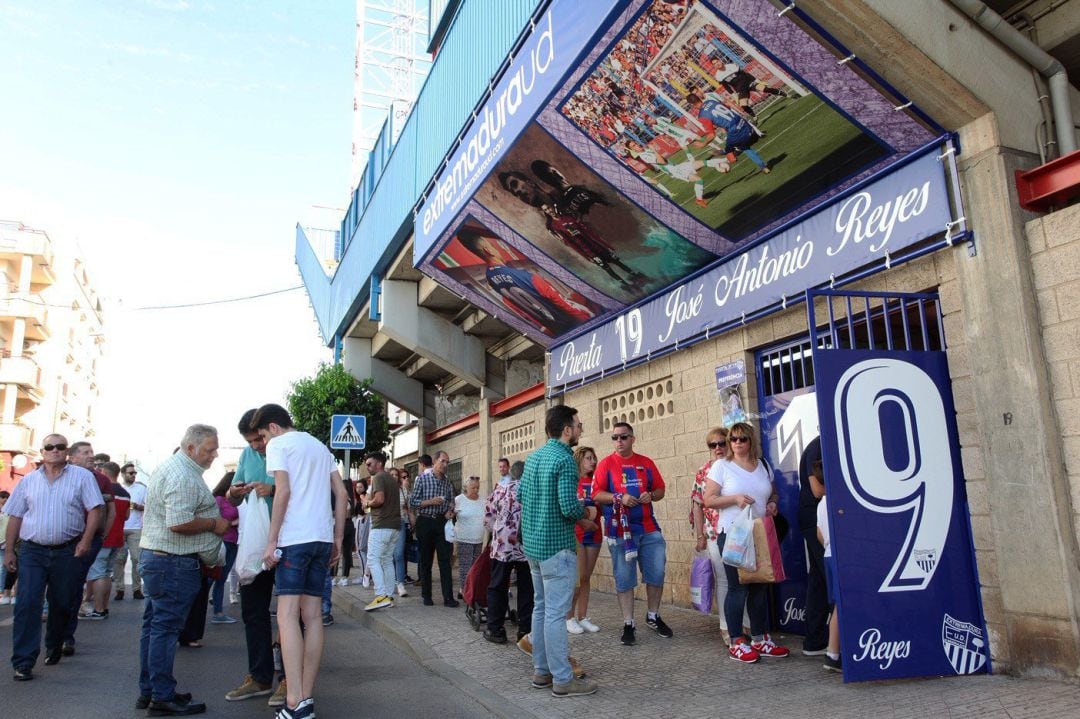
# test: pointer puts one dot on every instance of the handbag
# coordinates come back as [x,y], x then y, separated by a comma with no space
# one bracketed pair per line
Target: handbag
[770,562]
[739,543]
[701,583]
[254,533]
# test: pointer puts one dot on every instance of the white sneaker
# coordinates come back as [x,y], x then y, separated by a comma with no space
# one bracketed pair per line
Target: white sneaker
[343,582]
[7,600]
[588,626]
[573,627]
[367,581]
[355,581]
[401,592]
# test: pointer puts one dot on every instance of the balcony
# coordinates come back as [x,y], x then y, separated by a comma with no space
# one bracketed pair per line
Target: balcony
[18,241]
[29,307]
[24,372]
[14,437]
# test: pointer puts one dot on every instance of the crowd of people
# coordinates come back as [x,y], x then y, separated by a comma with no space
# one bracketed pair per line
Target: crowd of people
[71,525]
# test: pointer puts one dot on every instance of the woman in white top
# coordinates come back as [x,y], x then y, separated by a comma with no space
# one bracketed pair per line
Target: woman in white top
[468,526]
[738,481]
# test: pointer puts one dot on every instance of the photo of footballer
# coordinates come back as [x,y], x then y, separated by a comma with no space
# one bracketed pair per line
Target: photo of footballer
[571,214]
[712,122]
[477,258]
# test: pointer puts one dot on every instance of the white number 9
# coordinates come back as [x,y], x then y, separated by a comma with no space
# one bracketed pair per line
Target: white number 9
[924,485]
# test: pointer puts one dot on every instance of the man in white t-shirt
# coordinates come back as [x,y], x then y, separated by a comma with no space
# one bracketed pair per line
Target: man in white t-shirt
[305,540]
[132,533]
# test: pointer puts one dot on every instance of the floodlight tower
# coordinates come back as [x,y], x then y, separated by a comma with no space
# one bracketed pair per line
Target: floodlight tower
[391,36]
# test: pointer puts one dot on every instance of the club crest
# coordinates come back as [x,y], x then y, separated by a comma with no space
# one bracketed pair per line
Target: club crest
[964,645]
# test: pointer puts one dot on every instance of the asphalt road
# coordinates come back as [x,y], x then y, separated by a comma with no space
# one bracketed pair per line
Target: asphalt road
[362,675]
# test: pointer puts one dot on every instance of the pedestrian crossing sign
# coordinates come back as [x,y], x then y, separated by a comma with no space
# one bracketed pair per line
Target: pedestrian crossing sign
[348,431]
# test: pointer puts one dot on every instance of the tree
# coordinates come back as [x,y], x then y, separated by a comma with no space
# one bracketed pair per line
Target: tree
[314,400]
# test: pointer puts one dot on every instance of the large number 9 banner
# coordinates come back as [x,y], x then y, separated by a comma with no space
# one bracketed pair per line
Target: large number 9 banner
[897,510]
[901,467]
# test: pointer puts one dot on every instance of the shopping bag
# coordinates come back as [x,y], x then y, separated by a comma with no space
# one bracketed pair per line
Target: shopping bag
[701,583]
[448,531]
[770,563]
[254,532]
[739,545]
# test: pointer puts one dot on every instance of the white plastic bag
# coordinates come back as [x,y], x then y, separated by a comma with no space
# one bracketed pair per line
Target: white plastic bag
[254,531]
[448,530]
[739,544]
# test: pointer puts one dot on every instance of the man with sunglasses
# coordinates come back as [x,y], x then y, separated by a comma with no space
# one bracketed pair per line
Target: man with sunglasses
[626,484]
[132,533]
[56,511]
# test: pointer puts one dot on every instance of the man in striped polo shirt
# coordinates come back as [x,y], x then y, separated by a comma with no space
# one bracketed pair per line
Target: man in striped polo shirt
[56,511]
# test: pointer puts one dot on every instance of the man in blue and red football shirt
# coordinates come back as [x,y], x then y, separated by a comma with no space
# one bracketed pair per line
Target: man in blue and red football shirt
[626,485]
[739,135]
[527,294]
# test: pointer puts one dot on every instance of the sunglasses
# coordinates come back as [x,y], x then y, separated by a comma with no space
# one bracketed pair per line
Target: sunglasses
[738,439]
[617,437]
[132,472]
[51,447]
[716,445]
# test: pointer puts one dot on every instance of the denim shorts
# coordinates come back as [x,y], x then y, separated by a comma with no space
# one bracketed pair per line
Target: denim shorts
[651,557]
[303,569]
[102,566]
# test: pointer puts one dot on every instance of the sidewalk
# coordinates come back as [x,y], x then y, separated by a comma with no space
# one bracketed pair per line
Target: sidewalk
[687,676]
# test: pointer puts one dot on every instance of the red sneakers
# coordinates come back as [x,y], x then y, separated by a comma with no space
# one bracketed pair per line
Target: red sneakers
[766,648]
[740,651]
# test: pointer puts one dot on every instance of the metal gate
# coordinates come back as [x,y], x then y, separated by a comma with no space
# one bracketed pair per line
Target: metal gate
[909,599]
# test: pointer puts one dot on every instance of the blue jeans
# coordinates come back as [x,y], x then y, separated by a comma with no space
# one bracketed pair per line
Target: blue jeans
[553,590]
[218,590]
[83,569]
[752,597]
[42,573]
[171,584]
[399,553]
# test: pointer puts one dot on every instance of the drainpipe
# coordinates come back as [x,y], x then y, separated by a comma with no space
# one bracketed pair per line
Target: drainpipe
[1054,72]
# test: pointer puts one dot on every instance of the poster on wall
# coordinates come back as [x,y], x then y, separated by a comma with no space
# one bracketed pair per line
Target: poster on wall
[729,379]
[632,144]
[901,535]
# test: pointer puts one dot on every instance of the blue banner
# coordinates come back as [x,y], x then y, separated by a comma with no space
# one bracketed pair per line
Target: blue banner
[866,225]
[909,599]
[541,63]
[788,424]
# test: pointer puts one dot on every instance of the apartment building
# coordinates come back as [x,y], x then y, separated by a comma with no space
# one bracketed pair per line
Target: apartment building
[51,343]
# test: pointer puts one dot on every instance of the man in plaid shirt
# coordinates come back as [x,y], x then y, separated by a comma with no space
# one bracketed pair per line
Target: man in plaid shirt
[432,499]
[549,509]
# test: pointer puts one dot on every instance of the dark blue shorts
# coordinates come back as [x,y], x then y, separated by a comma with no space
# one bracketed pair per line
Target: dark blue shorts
[831,584]
[303,569]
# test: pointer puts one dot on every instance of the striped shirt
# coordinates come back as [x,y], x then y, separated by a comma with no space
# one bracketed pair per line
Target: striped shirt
[428,486]
[54,511]
[175,495]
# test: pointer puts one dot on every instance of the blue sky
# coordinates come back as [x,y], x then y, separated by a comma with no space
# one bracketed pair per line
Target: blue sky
[178,143]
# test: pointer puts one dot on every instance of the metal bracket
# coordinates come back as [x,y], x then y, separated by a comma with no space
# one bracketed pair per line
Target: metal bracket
[846,60]
[905,106]
[789,8]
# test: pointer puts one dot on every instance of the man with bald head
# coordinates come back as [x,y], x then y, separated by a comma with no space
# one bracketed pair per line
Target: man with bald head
[56,511]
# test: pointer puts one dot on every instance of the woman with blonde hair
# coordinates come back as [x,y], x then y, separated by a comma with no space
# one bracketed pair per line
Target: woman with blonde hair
[703,520]
[590,539]
[738,481]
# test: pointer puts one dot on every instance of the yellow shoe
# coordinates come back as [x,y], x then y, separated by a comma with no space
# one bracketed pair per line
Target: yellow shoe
[525,645]
[379,602]
[278,698]
[576,668]
[249,689]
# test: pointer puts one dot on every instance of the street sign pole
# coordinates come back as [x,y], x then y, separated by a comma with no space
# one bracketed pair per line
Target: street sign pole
[348,465]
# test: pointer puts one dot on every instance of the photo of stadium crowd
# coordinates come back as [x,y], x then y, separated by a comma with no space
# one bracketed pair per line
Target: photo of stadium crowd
[571,214]
[713,123]
[478,259]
